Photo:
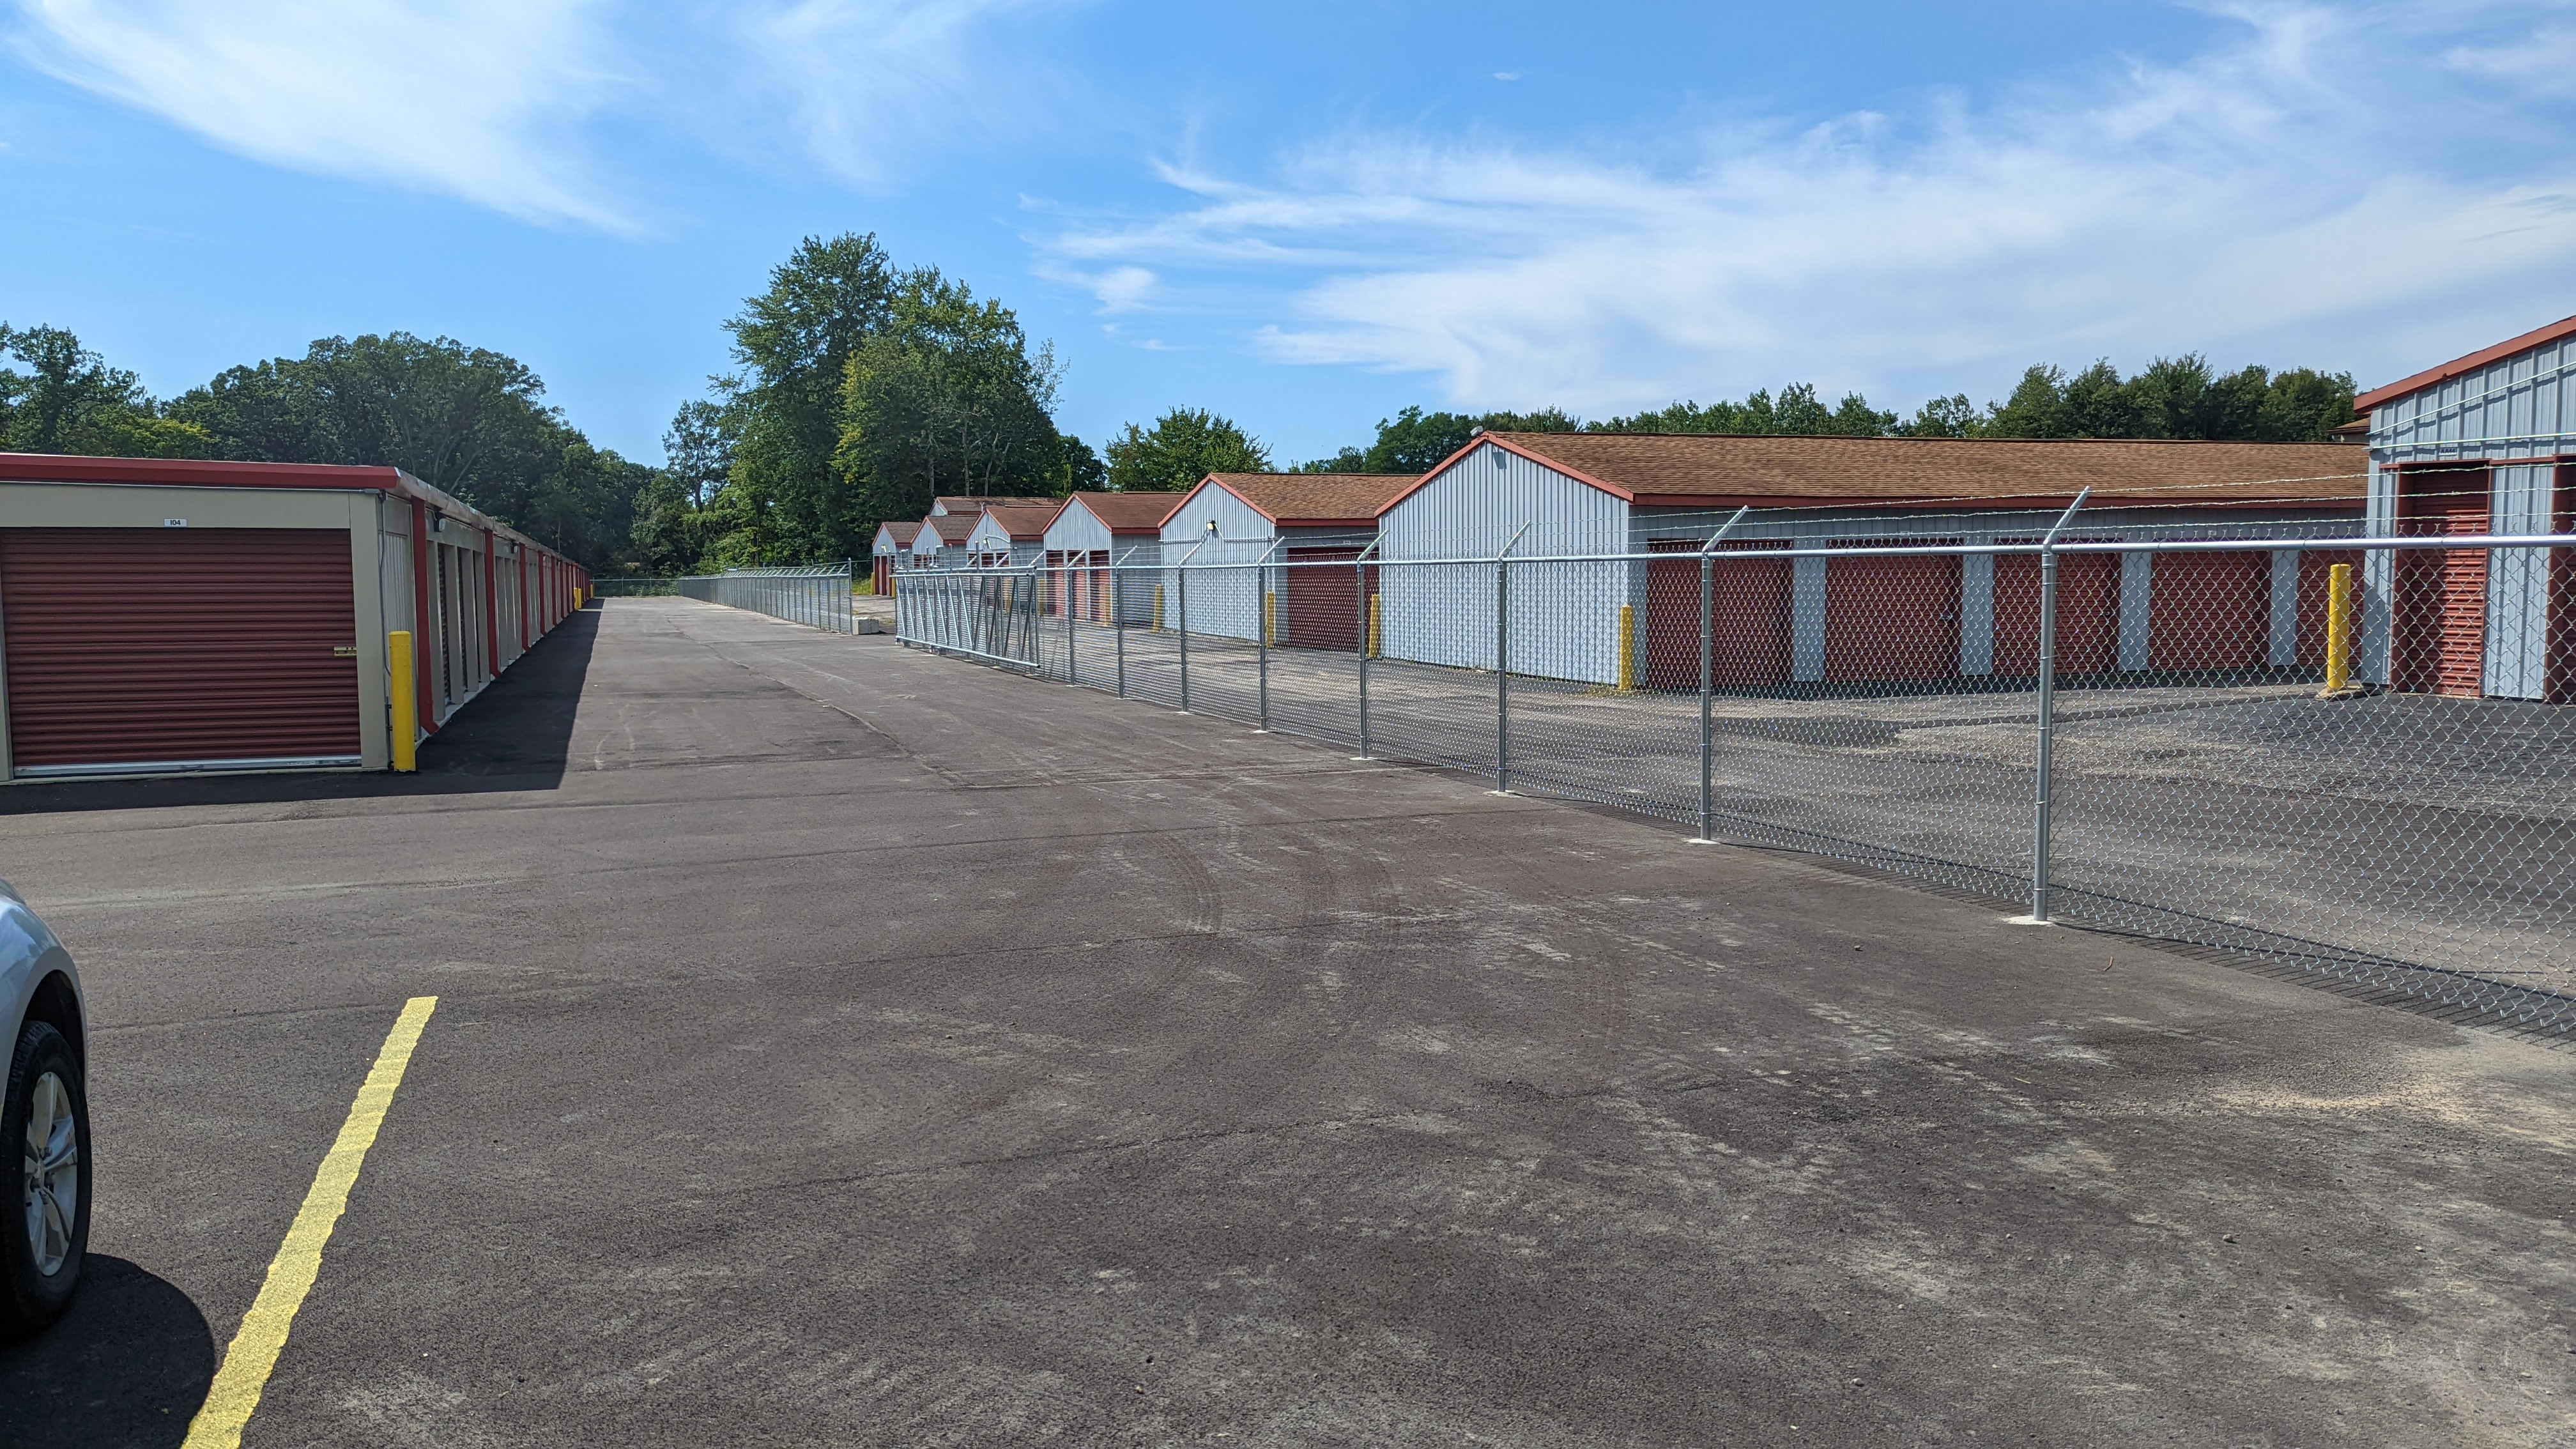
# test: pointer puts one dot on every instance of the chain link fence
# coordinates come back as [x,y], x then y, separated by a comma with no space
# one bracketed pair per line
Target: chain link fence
[2352,755]
[817,596]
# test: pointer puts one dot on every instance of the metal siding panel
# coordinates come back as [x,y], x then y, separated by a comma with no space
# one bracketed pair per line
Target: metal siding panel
[2517,649]
[1565,616]
[141,645]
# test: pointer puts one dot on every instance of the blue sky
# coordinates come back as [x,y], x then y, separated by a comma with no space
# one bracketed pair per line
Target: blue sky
[1304,215]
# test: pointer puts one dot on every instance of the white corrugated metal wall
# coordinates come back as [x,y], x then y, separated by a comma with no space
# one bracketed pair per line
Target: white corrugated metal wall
[1565,617]
[1221,601]
[2521,407]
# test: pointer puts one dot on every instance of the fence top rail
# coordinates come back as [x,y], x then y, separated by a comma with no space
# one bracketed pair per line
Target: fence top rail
[2354,543]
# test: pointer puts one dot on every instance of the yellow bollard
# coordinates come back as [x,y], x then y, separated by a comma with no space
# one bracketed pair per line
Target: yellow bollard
[406,712]
[1374,601]
[1270,618]
[1627,647]
[1158,608]
[2338,628]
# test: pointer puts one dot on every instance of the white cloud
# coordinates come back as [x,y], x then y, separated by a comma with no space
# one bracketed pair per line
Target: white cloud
[874,83]
[477,99]
[2264,201]
[2544,61]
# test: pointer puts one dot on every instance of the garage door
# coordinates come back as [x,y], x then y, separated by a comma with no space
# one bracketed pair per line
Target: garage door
[1891,618]
[2210,611]
[2088,614]
[2440,598]
[1748,606]
[1323,604]
[141,647]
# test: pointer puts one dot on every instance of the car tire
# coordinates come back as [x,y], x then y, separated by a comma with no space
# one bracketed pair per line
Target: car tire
[44,1157]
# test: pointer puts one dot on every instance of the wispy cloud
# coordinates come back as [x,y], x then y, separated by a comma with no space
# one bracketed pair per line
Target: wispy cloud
[2271,191]
[872,84]
[479,99]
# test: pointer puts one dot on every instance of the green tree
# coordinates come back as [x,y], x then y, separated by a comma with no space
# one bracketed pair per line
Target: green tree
[1083,470]
[947,398]
[794,343]
[2303,405]
[1943,417]
[70,401]
[466,420]
[1183,446]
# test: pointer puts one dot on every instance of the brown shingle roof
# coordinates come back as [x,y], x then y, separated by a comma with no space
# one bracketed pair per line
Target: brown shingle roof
[904,533]
[1707,469]
[1025,520]
[972,506]
[1317,498]
[1131,512]
[951,527]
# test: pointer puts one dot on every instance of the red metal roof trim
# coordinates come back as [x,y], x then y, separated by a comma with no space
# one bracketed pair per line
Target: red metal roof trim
[2538,337]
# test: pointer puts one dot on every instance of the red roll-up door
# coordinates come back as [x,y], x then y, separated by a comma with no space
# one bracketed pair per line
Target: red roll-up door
[1891,618]
[1323,603]
[2088,614]
[1748,605]
[2440,603]
[2210,611]
[167,646]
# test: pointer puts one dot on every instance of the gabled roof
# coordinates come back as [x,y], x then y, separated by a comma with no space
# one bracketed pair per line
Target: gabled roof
[948,503]
[1314,500]
[2537,337]
[902,534]
[1023,520]
[948,528]
[1129,512]
[1706,470]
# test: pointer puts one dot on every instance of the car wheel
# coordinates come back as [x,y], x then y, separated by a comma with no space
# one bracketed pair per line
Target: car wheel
[44,1162]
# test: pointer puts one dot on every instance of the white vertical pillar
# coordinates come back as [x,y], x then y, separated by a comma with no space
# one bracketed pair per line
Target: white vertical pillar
[2137,609]
[2285,607]
[2518,585]
[1807,618]
[1977,612]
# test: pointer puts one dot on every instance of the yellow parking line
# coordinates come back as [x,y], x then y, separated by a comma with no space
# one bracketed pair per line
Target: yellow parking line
[253,1354]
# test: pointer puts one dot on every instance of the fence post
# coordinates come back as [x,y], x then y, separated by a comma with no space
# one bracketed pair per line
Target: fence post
[1261,626]
[1064,601]
[1359,575]
[1118,623]
[1503,665]
[1181,587]
[2046,765]
[1708,664]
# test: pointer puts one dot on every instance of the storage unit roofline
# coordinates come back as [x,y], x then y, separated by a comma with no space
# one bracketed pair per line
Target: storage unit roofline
[1710,470]
[205,473]
[1316,500]
[2460,366]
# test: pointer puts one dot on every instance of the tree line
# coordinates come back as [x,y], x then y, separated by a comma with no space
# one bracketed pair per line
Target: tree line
[2171,398]
[469,421]
[862,389]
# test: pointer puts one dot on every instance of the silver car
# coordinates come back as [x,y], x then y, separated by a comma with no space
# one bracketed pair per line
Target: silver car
[46,1115]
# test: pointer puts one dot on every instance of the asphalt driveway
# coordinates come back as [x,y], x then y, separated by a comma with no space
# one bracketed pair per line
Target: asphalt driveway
[838,1044]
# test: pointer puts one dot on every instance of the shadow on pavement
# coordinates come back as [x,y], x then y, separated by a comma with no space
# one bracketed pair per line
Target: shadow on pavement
[515,735]
[127,1365]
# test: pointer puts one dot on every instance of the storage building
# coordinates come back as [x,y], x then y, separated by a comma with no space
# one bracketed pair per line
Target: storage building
[941,544]
[1902,617]
[1093,531]
[887,554]
[2482,444]
[1289,518]
[165,616]
[1009,534]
